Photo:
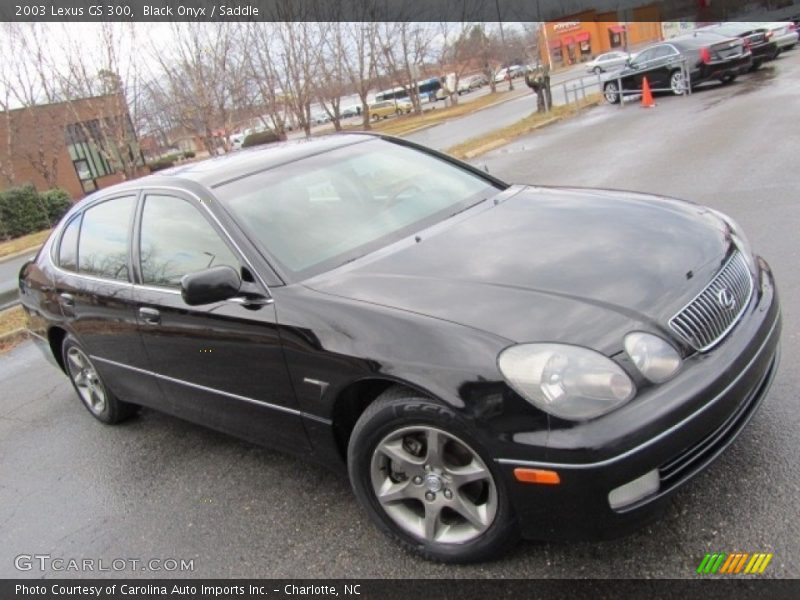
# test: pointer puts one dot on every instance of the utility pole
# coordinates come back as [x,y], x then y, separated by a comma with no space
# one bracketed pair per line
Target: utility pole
[502,32]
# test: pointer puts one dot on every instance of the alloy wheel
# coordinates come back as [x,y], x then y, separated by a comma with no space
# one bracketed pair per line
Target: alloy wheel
[676,83]
[433,485]
[86,380]
[611,92]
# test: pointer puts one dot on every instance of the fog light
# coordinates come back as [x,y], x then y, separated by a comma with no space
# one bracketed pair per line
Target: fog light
[635,490]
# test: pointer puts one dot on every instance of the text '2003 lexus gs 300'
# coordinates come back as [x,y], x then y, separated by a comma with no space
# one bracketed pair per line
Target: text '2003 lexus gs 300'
[486,360]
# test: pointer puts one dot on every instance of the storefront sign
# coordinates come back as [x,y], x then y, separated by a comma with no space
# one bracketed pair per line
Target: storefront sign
[566,26]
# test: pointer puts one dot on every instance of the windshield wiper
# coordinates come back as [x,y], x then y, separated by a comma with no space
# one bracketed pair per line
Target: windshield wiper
[466,208]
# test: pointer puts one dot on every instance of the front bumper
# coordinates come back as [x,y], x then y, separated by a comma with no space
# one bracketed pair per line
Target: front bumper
[677,428]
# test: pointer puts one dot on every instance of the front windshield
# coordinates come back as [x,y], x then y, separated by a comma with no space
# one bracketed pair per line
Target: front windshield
[319,212]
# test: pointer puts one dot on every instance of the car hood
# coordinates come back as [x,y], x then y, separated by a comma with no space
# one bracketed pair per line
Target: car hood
[548,264]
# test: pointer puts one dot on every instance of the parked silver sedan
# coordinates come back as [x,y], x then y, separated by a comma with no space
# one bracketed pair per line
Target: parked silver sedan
[783,34]
[609,61]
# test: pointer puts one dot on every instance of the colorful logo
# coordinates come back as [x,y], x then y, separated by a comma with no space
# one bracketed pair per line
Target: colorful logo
[720,563]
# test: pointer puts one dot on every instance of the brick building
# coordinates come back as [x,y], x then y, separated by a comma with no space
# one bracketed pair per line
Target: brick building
[582,36]
[79,145]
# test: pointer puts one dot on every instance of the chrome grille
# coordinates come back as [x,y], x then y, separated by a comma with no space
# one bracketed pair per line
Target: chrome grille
[714,311]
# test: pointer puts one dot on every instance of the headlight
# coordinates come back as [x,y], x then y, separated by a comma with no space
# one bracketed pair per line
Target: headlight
[655,358]
[566,381]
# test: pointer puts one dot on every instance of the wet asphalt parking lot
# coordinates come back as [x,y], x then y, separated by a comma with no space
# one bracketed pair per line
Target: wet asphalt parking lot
[157,487]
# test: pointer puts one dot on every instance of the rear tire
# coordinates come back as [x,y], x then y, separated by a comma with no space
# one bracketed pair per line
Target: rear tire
[441,496]
[92,391]
[677,83]
[611,92]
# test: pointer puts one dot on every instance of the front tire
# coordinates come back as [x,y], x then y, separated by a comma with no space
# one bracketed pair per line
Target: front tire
[427,483]
[92,391]
[597,70]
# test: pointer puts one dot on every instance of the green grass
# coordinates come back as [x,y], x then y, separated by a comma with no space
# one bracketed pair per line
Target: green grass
[32,242]
[493,139]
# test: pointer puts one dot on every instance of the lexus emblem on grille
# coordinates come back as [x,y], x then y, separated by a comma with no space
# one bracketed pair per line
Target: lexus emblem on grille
[725,298]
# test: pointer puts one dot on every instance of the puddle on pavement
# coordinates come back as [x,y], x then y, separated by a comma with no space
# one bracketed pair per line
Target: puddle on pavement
[746,84]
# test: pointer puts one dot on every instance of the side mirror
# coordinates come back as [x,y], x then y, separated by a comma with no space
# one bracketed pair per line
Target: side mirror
[210,285]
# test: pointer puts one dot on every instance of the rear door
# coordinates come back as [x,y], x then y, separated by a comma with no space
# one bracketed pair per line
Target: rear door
[640,67]
[664,61]
[92,281]
[221,364]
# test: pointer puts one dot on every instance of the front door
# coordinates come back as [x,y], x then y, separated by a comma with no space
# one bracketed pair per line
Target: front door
[221,364]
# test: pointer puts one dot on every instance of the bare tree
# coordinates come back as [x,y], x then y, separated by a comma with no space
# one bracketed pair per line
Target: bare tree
[300,47]
[331,82]
[29,81]
[203,75]
[360,62]
[264,76]
[488,50]
[106,77]
[6,147]
[455,56]
[404,49]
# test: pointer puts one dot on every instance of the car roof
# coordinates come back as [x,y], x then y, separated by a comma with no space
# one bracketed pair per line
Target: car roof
[215,171]
[732,28]
[695,39]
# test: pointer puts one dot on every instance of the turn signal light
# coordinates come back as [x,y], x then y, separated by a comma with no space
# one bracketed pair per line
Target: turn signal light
[537,476]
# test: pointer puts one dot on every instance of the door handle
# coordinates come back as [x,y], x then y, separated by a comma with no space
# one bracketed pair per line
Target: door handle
[67,299]
[150,316]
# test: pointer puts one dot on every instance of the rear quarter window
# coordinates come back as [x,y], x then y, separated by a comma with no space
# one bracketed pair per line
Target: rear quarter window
[104,239]
[68,246]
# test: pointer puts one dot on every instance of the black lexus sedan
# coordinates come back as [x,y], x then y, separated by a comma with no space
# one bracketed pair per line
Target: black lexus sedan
[485,360]
[704,56]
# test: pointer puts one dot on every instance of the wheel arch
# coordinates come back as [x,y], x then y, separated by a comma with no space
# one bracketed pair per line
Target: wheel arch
[55,337]
[351,401]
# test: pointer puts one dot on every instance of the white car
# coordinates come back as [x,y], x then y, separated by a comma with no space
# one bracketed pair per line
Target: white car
[468,84]
[500,76]
[783,34]
[236,140]
[608,61]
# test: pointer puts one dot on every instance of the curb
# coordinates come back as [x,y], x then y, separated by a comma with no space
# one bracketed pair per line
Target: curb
[486,148]
[489,146]
[10,340]
[466,114]
[32,250]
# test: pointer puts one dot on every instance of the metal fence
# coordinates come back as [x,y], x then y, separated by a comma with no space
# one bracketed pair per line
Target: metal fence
[575,89]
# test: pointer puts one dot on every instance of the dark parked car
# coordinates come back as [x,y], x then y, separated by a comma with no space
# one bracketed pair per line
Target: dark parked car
[486,360]
[756,37]
[706,56]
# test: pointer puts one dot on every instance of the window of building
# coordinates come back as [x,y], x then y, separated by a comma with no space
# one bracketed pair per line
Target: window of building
[68,248]
[83,143]
[103,244]
[176,239]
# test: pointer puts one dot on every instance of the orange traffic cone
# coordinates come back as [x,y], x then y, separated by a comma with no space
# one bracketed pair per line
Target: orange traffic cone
[647,95]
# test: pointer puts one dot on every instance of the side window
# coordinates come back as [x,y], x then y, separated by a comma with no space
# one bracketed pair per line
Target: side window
[644,57]
[664,52]
[103,244]
[68,248]
[175,240]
